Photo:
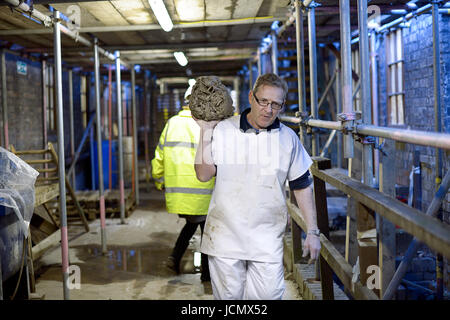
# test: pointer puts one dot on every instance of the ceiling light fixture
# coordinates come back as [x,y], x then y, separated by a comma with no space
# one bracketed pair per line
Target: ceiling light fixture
[161,14]
[181,58]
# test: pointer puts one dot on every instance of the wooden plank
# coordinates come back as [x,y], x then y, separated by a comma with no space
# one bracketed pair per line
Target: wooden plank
[39,249]
[427,229]
[341,268]
[367,240]
[320,197]
[45,193]
[386,229]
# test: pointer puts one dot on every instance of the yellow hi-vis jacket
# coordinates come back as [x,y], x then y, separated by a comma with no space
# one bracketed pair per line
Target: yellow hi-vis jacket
[173,167]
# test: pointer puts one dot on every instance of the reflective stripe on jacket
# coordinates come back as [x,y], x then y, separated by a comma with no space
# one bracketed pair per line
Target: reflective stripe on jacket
[173,167]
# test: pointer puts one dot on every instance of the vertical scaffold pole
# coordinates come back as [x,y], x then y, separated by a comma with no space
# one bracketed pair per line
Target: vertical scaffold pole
[119,138]
[300,62]
[346,69]
[99,147]
[367,162]
[61,165]
[313,74]
[72,130]
[135,135]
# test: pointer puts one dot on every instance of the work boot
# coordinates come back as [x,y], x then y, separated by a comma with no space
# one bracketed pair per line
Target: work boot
[173,265]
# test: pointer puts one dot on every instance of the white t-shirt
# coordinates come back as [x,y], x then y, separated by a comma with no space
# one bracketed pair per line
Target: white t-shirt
[247,214]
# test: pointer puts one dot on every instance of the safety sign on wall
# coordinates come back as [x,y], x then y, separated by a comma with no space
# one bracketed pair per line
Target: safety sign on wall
[21,68]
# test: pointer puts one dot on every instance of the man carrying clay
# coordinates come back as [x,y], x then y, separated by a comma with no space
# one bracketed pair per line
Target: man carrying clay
[251,155]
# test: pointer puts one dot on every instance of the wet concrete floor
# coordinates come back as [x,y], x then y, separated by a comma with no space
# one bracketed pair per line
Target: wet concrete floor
[134,267]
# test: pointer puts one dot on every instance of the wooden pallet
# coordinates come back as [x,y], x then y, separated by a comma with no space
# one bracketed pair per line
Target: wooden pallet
[89,201]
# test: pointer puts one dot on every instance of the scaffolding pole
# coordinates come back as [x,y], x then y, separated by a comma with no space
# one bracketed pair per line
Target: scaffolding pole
[72,131]
[61,159]
[135,135]
[119,139]
[313,76]
[346,67]
[101,191]
[300,63]
[367,161]
[274,52]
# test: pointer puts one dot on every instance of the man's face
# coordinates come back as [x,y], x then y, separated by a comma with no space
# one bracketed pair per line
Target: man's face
[260,116]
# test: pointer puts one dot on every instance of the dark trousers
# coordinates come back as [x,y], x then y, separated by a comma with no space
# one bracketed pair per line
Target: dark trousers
[183,241]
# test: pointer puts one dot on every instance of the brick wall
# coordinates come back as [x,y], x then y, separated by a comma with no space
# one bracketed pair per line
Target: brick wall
[24,99]
[419,101]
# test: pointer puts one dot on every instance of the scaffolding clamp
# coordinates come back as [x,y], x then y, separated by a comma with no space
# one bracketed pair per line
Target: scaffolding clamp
[304,118]
[348,120]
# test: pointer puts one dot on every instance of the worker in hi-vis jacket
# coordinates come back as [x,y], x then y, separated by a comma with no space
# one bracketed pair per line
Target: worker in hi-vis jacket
[173,172]
[251,156]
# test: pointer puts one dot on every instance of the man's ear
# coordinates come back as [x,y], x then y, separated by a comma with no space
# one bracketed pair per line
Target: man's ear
[250,96]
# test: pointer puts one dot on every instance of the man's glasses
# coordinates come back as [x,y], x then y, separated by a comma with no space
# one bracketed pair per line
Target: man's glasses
[265,103]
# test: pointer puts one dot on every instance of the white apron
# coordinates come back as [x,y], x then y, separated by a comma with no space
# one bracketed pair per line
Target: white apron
[247,215]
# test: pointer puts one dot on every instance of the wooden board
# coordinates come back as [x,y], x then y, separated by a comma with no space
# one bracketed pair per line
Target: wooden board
[45,193]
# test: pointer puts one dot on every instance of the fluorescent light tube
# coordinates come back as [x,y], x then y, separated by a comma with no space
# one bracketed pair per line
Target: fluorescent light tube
[181,58]
[161,14]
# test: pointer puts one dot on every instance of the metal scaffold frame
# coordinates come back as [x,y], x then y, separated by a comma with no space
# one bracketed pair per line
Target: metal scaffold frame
[372,206]
[55,22]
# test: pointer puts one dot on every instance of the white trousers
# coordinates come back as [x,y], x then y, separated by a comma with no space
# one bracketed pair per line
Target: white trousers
[233,279]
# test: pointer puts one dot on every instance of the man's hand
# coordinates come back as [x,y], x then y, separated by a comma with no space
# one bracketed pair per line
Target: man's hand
[311,246]
[206,125]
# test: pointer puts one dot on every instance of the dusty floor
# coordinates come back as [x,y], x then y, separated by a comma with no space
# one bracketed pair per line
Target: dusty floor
[134,267]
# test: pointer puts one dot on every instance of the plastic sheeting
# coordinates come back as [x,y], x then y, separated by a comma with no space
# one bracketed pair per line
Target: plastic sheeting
[17,180]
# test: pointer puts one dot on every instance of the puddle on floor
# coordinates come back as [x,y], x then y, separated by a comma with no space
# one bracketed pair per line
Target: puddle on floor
[122,263]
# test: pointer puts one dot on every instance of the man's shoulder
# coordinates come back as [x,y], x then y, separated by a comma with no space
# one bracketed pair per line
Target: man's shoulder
[287,132]
[232,122]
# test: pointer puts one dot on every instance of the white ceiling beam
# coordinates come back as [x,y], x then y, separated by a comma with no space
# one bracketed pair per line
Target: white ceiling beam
[145,27]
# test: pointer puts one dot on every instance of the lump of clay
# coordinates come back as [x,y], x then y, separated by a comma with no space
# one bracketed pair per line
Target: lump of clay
[210,99]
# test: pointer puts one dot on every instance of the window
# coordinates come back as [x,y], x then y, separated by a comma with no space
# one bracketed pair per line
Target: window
[395,91]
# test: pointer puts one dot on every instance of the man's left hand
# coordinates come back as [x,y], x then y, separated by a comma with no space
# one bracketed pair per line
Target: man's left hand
[312,246]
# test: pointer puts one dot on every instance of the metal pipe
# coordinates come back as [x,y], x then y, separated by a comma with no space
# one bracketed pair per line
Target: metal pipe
[313,75]
[423,138]
[259,61]
[274,52]
[101,192]
[61,158]
[339,110]
[346,67]
[250,74]
[367,160]
[33,12]
[80,146]
[135,134]
[333,125]
[432,211]
[110,127]
[407,17]
[4,102]
[437,128]
[72,131]
[44,111]
[374,89]
[327,88]
[328,143]
[299,39]
[119,139]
